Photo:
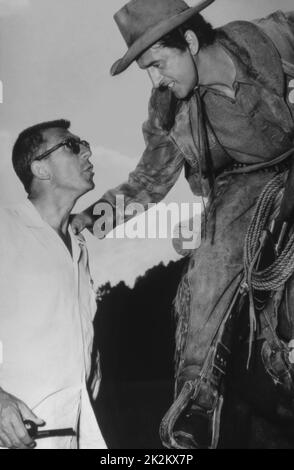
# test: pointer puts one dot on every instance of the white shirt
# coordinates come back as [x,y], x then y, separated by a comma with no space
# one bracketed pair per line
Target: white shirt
[47,305]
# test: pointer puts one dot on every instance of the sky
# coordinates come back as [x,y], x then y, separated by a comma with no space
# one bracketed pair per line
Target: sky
[55,57]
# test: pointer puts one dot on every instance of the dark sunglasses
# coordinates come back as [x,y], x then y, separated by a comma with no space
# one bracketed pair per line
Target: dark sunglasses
[74,145]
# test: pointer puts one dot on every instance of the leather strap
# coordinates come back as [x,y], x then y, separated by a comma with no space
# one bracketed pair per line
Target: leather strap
[261,166]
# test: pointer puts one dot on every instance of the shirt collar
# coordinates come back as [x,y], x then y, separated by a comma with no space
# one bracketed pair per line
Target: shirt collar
[242,75]
[30,215]
[254,55]
[32,218]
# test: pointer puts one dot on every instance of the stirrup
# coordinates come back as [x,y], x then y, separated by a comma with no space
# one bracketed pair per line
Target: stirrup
[193,409]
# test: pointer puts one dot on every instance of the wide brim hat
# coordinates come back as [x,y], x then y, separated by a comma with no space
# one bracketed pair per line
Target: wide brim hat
[143,22]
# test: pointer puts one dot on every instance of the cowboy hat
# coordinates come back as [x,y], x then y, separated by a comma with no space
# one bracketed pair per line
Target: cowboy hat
[144,22]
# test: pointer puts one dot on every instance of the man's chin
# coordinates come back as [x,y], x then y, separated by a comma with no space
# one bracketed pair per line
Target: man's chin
[180,94]
[92,185]
[89,187]
[90,181]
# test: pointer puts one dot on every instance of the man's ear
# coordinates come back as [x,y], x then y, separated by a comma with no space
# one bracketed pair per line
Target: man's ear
[192,41]
[40,170]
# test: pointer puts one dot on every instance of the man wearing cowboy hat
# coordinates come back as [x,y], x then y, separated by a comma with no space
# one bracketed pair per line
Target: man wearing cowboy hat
[222,107]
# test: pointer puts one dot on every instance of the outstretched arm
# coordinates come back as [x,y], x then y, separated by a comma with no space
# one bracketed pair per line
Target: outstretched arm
[154,176]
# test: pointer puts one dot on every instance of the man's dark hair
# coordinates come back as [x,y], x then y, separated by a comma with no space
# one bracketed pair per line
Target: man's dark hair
[204,31]
[27,146]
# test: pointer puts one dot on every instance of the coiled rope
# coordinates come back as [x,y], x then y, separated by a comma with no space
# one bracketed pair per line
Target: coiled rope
[277,274]
[267,209]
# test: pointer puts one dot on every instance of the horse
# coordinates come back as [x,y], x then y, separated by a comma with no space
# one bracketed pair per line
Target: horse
[234,380]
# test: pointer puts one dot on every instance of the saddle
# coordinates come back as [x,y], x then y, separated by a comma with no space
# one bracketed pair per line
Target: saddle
[193,421]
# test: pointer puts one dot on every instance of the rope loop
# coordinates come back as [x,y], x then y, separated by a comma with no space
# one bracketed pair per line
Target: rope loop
[267,208]
[277,274]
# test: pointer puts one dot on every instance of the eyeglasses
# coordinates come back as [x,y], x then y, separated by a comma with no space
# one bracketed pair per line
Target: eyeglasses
[74,145]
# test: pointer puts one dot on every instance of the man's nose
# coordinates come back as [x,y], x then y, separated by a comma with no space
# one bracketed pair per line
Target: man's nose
[86,154]
[86,151]
[155,76]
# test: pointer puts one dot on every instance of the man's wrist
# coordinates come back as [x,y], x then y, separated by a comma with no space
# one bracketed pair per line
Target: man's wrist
[104,216]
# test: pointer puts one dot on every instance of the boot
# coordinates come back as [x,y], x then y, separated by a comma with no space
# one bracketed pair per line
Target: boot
[193,421]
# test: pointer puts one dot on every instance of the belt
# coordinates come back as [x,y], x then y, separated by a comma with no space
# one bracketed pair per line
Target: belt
[277,164]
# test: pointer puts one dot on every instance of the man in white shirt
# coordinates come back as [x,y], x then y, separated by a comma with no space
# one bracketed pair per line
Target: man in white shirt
[46,295]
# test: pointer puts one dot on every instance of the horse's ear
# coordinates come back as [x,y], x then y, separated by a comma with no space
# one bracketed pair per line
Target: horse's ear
[165,104]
